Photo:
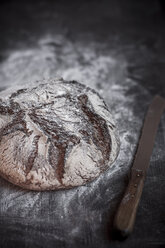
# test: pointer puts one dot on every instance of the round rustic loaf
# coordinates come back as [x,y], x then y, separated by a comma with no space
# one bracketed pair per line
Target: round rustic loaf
[55,135]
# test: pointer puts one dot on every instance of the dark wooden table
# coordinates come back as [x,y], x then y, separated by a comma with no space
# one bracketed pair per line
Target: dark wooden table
[118,48]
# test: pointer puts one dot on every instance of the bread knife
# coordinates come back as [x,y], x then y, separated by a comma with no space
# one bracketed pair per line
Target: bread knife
[126,213]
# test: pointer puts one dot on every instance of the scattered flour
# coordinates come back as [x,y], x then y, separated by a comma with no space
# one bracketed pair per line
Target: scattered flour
[55,56]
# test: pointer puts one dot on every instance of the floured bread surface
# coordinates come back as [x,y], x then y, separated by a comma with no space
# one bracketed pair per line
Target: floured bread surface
[58,134]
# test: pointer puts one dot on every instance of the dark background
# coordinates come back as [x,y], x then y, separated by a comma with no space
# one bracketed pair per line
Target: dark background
[119,48]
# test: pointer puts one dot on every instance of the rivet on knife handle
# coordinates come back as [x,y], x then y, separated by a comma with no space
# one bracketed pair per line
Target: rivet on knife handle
[126,214]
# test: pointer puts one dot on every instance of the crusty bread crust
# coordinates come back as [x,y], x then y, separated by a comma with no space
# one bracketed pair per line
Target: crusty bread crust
[56,135]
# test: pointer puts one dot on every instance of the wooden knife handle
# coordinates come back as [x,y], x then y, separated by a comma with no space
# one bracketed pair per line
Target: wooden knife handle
[126,214]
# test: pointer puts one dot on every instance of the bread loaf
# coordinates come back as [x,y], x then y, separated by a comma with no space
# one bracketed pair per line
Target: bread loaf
[59,134]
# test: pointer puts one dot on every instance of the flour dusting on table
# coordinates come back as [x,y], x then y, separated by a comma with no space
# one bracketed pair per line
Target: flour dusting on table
[56,56]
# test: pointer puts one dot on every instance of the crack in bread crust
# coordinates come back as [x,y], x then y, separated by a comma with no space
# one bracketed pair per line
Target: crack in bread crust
[100,135]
